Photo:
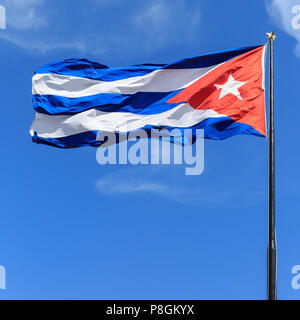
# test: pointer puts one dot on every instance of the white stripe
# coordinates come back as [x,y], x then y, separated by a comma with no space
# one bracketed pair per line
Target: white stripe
[182,116]
[163,80]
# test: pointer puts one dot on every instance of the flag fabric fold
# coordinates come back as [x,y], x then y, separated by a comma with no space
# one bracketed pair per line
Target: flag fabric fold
[222,93]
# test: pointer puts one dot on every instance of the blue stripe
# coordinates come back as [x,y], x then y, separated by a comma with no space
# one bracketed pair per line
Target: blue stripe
[214,128]
[208,60]
[96,71]
[92,70]
[138,103]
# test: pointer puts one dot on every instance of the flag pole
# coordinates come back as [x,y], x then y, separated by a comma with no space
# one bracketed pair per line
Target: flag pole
[272,250]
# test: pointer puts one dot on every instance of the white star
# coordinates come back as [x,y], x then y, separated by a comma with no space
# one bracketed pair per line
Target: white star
[231,86]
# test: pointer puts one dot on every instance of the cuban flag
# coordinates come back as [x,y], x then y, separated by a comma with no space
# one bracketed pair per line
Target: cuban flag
[222,93]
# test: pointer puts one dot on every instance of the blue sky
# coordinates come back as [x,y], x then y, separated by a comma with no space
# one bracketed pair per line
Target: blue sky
[205,237]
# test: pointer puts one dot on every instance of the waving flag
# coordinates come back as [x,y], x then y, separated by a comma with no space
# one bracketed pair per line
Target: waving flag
[222,93]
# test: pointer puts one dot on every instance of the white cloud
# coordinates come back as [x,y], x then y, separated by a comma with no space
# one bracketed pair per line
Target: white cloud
[26,24]
[165,21]
[39,46]
[25,14]
[172,184]
[131,186]
[108,3]
[39,26]
[283,13]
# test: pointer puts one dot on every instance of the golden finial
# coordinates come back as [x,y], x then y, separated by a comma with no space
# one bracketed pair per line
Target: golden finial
[271,35]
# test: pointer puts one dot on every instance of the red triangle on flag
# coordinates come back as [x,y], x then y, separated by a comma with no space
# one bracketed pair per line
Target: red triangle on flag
[235,88]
